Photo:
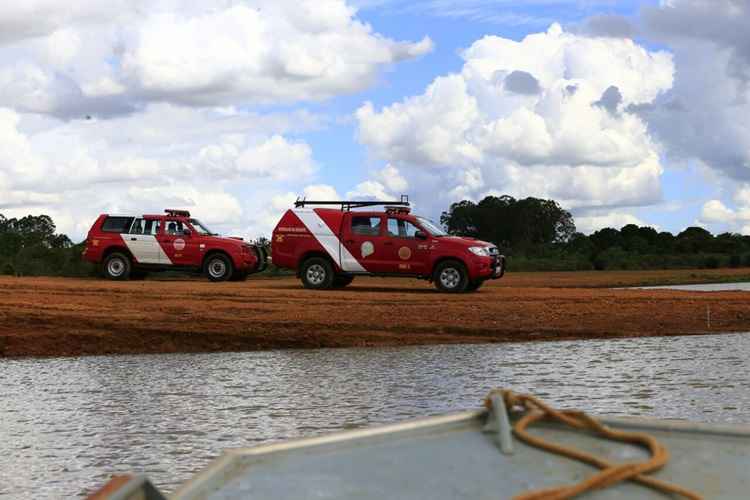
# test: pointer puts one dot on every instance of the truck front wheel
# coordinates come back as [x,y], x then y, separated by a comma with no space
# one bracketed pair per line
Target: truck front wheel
[450,276]
[317,273]
[218,267]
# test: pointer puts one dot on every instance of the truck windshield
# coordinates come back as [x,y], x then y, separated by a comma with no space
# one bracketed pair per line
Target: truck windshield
[430,226]
[201,228]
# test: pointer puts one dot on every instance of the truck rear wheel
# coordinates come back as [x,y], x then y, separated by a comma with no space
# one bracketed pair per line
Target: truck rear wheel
[451,277]
[117,266]
[317,273]
[218,267]
[341,281]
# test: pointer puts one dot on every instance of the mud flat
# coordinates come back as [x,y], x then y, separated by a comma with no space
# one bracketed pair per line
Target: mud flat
[71,317]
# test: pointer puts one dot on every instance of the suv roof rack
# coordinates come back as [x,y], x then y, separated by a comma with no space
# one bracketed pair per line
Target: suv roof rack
[176,213]
[348,205]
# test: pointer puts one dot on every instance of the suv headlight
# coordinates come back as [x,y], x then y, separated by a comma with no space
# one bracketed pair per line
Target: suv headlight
[480,251]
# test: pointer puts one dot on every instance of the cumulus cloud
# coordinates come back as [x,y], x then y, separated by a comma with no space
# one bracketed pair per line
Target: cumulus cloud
[720,217]
[705,114]
[166,156]
[554,131]
[84,58]
[588,223]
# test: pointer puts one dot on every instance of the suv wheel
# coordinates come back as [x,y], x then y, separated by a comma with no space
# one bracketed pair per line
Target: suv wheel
[117,266]
[218,267]
[451,276]
[317,273]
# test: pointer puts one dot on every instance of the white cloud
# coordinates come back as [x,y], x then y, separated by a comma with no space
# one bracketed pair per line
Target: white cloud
[470,134]
[719,217]
[588,224]
[164,157]
[86,58]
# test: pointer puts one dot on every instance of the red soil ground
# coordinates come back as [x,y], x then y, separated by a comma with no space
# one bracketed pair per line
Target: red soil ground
[70,317]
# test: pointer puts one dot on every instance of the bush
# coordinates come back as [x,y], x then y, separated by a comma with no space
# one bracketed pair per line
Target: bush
[8,269]
[735,261]
[711,262]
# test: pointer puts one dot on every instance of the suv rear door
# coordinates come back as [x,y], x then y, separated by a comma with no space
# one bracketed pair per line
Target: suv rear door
[141,241]
[363,238]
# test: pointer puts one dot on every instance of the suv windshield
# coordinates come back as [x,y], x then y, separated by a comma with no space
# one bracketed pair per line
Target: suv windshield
[201,228]
[430,226]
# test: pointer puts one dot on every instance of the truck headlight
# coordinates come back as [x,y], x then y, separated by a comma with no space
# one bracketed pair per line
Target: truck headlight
[480,251]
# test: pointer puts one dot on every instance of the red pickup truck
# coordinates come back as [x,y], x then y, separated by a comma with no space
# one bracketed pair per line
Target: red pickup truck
[329,247]
[129,246]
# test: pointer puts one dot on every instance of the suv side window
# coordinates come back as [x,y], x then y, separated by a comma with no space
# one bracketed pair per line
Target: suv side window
[174,228]
[145,226]
[399,228]
[366,225]
[116,224]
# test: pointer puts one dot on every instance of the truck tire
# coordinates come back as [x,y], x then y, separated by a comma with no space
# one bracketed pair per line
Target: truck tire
[218,267]
[451,277]
[342,281]
[117,266]
[317,273]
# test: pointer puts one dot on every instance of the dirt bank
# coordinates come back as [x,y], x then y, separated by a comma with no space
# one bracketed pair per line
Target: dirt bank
[68,317]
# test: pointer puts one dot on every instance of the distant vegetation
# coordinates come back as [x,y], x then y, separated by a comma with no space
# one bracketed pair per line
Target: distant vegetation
[31,246]
[538,235]
[535,234]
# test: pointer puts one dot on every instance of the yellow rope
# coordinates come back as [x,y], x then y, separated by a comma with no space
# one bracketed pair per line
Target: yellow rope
[611,473]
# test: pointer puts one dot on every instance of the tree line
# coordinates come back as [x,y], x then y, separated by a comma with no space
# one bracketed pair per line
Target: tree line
[538,234]
[31,246]
[535,234]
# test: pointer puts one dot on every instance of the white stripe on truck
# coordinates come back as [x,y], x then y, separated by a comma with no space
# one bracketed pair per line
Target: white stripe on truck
[146,249]
[328,240]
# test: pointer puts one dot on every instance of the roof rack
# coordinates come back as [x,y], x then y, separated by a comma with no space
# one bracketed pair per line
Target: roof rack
[348,205]
[176,213]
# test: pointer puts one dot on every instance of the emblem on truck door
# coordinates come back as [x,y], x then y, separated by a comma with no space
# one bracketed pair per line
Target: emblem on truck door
[179,244]
[367,249]
[404,253]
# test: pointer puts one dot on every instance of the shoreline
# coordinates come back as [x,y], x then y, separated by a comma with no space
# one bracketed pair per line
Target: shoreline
[50,317]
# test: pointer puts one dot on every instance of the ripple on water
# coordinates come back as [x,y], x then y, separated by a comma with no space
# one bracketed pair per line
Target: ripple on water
[68,424]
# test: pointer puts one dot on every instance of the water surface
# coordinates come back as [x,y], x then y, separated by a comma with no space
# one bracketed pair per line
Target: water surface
[67,424]
[705,287]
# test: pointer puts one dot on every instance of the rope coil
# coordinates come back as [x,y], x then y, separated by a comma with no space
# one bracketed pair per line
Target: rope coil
[611,473]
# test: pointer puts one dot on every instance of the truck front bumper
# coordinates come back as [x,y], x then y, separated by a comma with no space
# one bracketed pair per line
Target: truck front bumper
[498,267]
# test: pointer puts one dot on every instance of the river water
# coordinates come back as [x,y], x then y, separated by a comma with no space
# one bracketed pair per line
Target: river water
[67,424]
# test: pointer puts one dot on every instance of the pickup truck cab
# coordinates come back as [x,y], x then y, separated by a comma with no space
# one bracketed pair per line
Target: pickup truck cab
[127,246]
[329,247]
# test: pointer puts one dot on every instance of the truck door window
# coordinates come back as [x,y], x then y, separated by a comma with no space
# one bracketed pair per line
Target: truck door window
[366,226]
[145,226]
[138,227]
[174,228]
[399,228]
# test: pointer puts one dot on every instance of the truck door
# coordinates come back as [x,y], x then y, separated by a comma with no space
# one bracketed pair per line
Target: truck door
[405,254]
[180,249]
[362,236]
[141,241]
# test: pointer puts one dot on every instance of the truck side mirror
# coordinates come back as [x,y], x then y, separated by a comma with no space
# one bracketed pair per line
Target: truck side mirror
[420,235]
[187,232]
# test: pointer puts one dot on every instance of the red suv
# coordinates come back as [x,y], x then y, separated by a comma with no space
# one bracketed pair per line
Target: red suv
[130,247]
[329,247]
